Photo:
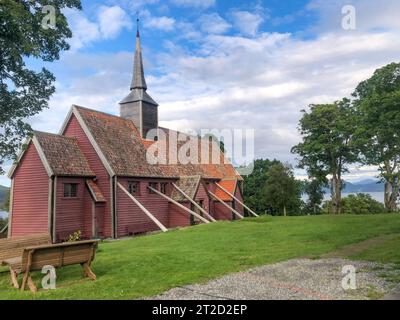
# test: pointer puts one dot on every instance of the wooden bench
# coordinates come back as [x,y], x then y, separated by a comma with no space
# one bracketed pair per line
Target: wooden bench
[14,247]
[57,255]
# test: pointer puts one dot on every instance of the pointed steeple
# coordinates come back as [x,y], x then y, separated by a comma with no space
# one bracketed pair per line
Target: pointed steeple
[138,80]
[138,106]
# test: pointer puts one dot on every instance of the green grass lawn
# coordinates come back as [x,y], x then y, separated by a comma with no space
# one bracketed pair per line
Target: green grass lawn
[144,266]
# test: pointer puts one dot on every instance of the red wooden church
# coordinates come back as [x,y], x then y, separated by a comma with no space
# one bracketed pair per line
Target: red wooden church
[94,177]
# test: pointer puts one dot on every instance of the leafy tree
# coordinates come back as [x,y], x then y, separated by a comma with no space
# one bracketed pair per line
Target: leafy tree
[377,103]
[282,190]
[25,92]
[358,204]
[315,194]
[327,147]
[253,190]
[6,204]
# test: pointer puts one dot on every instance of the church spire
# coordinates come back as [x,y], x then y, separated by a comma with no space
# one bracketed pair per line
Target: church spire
[138,80]
[138,106]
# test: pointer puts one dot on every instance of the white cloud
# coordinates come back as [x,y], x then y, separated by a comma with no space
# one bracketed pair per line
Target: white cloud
[194,3]
[261,82]
[84,31]
[370,15]
[161,23]
[112,20]
[108,23]
[213,23]
[246,22]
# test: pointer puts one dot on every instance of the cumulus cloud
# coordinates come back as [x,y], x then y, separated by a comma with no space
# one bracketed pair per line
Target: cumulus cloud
[213,23]
[112,20]
[234,81]
[108,23]
[194,3]
[161,23]
[370,15]
[247,22]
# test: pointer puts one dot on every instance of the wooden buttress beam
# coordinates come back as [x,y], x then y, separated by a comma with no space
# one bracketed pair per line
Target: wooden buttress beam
[194,203]
[147,212]
[227,192]
[179,205]
[229,207]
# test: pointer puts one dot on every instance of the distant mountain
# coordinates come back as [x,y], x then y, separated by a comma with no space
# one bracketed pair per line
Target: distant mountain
[367,185]
[363,186]
[3,194]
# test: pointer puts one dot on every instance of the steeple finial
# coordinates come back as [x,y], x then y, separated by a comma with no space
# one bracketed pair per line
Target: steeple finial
[138,80]
[137,25]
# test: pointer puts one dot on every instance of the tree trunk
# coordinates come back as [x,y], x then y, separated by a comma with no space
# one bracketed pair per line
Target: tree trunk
[391,196]
[336,190]
[284,211]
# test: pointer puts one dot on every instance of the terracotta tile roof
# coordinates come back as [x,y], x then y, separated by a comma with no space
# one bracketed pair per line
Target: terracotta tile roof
[120,143]
[63,155]
[217,171]
[95,191]
[125,150]
[228,185]
[189,185]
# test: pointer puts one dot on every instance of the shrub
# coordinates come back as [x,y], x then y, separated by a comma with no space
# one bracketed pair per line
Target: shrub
[361,203]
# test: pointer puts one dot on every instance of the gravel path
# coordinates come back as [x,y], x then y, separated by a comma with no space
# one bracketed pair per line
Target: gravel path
[298,279]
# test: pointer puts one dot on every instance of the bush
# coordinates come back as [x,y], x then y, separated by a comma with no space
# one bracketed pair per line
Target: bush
[357,204]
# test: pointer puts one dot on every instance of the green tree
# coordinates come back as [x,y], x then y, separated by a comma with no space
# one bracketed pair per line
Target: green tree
[315,195]
[253,187]
[282,190]
[377,103]
[327,147]
[358,204]
[25,92]
[6,204]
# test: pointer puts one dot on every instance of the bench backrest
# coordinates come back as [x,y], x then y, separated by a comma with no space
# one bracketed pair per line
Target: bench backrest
[14,247]
[58,255]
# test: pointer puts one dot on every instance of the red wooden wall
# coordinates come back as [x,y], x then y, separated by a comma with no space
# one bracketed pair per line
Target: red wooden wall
[71,212]
[30,196]
[73,129]
[129,214]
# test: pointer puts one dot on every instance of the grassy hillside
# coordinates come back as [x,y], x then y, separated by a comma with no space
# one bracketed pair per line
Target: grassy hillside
[144,266]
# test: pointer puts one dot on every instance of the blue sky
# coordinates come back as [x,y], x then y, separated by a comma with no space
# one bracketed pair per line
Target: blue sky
[224,64]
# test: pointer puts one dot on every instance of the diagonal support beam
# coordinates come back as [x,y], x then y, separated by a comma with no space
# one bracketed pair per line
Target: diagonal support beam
[147,212]
[194,203]
[179,205]
[227,192]
[229,207]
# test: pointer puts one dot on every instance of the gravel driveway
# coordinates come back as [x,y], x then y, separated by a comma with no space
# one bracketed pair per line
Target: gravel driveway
[298,279]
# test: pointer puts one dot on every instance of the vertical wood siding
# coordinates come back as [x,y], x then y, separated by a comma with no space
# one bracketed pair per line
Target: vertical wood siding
[178,217]
[30,196]
[221,212]
[202,195]
[238,206]
[71,212]
[73,129]
[130,215]
[88,205]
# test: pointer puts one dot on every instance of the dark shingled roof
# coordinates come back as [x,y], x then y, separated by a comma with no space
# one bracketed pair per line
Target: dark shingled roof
[188,185]
[63,155]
